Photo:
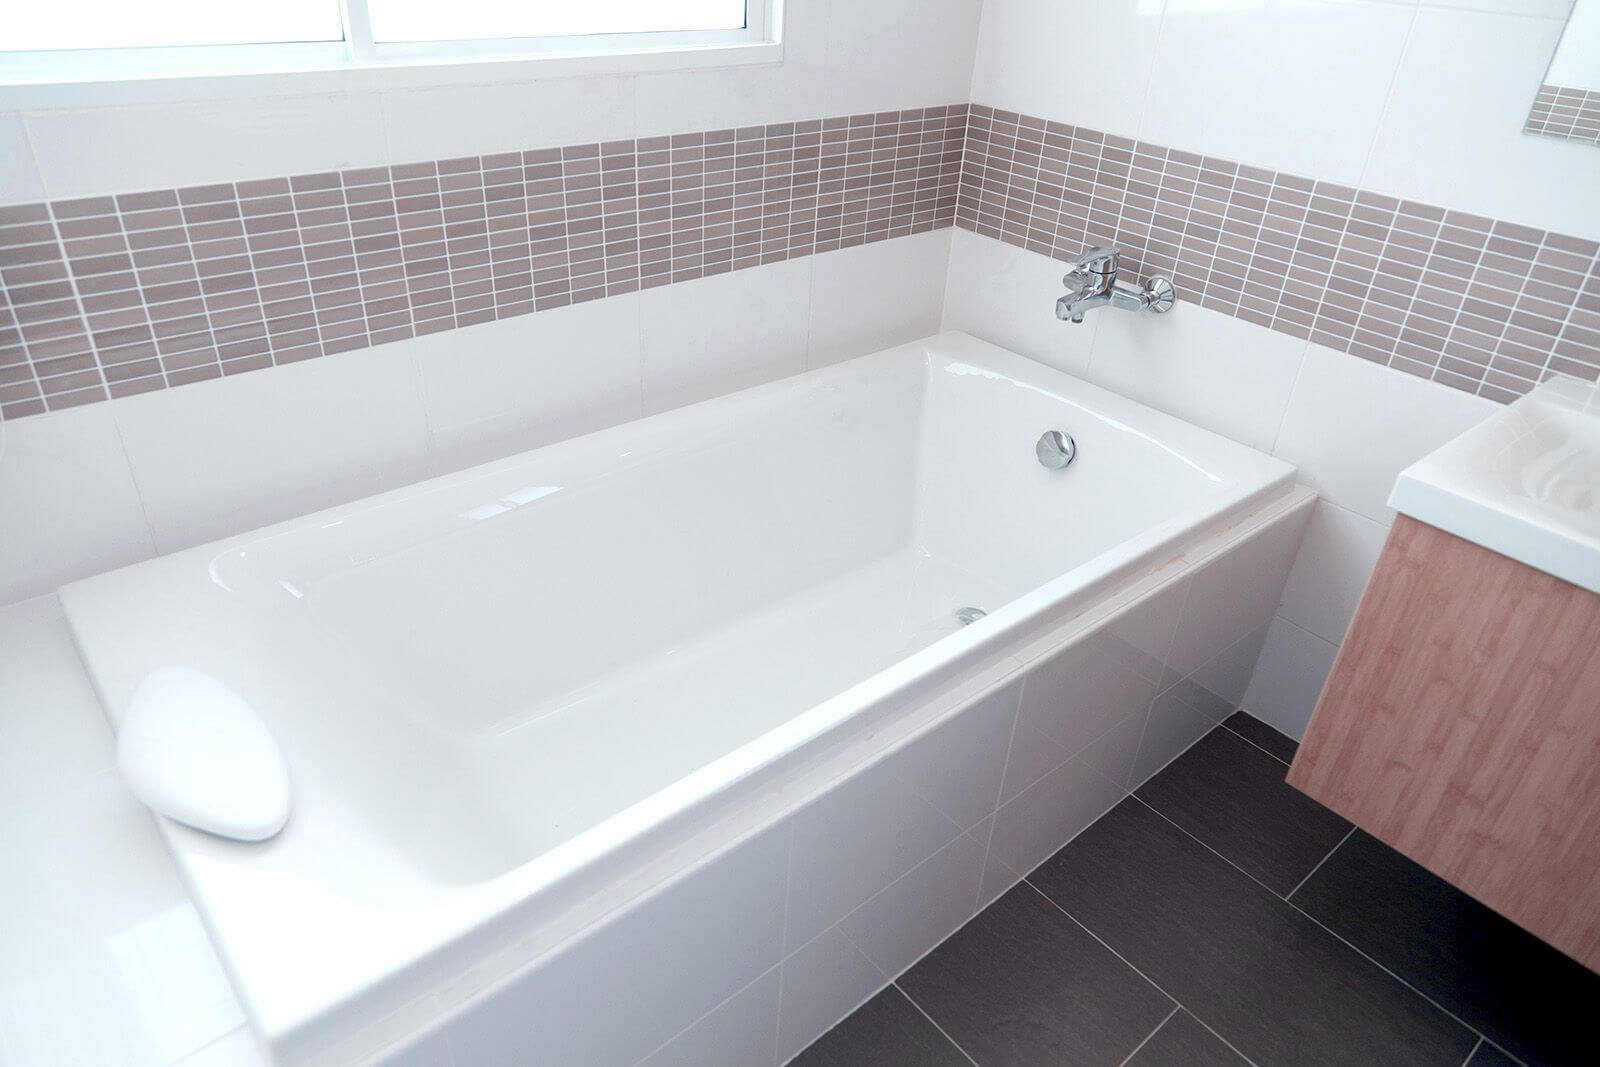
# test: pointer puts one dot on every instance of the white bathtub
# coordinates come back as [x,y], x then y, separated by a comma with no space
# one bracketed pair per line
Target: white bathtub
[524,702]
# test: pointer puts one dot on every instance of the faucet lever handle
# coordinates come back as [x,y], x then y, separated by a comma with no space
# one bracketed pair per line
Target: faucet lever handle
[1097,260]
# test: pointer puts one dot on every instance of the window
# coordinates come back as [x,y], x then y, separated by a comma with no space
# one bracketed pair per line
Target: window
[430,20]
[101,40]
[84,24]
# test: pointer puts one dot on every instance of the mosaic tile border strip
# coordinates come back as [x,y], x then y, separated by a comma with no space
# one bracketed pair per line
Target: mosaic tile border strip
[1481,305]
[1560,111]
[111,296]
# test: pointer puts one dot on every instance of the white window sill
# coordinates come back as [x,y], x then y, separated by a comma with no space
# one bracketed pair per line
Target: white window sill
[184,75]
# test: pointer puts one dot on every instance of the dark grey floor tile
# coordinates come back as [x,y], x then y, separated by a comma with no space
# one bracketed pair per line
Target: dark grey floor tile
[1523,995]
[1231,795]
[1262,736]
[1024,984]
[1275,985]
[1486,1055]
[886,1029]
[1183,1042]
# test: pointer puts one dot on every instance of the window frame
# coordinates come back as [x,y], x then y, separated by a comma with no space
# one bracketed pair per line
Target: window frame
[31,81]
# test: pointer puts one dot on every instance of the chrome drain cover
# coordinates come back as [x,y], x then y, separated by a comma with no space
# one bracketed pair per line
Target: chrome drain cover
[968,616]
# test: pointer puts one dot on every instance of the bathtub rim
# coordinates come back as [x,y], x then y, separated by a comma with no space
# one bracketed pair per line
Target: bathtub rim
[876,704]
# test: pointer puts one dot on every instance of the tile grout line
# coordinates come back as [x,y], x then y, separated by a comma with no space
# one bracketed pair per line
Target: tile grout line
[1126,962]
[1175,1010]
[1342,940]
[1473,1051]
[1301,884]
[1252,744]
[895,985]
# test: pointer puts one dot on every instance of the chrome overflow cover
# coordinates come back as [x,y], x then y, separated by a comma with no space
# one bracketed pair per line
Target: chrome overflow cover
[1056,449]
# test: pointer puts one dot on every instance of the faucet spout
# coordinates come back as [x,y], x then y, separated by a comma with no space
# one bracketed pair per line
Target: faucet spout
[1092,282]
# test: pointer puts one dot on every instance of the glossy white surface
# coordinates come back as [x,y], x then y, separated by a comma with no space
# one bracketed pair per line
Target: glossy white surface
[193,750]
[1524,482]
[439,663]
[1347,425]
[166,471]
[105,962]
[1424,101]
[840,57]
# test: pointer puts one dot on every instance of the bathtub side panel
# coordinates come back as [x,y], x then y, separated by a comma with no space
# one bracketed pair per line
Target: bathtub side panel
[1231,600]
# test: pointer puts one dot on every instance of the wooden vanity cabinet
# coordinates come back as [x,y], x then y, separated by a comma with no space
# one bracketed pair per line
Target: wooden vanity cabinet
[1461,725]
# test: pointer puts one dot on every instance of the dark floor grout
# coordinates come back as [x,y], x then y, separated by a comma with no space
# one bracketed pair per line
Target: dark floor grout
[1334,933]
[1179,1005]
[1176,1008]
[1129,964]
[1246,740]
[895,985]
[1302,882]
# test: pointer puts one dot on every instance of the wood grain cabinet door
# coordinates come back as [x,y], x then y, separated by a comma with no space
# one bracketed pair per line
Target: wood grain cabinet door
[1461,725]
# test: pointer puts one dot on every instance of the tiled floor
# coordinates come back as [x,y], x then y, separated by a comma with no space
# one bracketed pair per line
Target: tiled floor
[1219,916]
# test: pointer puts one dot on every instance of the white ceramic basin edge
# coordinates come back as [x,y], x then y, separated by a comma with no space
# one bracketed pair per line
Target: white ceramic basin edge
[1525,483]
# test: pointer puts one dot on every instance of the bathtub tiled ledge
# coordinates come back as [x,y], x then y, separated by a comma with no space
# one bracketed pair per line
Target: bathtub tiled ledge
[137,983]
[106,962]
[880,846]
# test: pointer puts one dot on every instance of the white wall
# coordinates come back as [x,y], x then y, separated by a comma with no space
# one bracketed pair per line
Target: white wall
[1348,425]
[840,57]
[1577,62]
[1416,98]
[87,489]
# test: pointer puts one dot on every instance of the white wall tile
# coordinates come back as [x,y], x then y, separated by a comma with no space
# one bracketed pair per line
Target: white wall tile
[742,1029]
[1296,85]
[68,504]
[475,120]
[885,56]
[115,971]
[684,100]
[650,973]
[54,737]
[1073,697]
[1236,594]
[19,178]
[727,332]
[431,1051]
[1555,9]
[1222,680]
[823,982]
[1352,426]
[1176,721]
[240,1048]
[228,455]
[1453,131]
[1048,814]
[870,830]
[504,387]
[875,296]
[1007,296]
[1336,557]
[1211,369]
[117,150]
[917,911]
[1289,675]
[1087,64]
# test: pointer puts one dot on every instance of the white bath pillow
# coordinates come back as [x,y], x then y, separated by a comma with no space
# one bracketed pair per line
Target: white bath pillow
[193,750]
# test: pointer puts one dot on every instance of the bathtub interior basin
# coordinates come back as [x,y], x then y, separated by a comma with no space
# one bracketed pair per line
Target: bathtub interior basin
[487,681]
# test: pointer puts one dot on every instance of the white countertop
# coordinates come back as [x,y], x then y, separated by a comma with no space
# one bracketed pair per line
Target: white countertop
[104,959]
[1525,483]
